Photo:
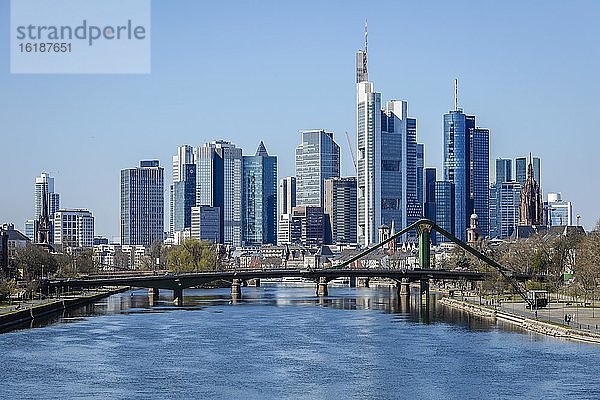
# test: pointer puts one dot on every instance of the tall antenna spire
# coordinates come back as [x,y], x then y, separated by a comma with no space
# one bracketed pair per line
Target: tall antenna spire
[456,94]
[361,59]
[365,60]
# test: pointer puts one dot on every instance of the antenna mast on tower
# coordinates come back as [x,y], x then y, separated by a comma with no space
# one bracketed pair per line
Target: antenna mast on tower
[456,94]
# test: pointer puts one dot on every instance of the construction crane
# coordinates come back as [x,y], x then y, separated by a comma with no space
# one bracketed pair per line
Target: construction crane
[351,152]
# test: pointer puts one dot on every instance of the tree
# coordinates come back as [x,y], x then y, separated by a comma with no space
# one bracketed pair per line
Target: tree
[192,256]
[35,262]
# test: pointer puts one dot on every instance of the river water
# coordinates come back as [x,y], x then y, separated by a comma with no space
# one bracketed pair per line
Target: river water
[285,343]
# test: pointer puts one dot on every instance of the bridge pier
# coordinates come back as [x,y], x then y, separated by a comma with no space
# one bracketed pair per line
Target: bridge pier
[178,296]
[322,287]
[403,287]
[352,281]
[153,296]
[236,288]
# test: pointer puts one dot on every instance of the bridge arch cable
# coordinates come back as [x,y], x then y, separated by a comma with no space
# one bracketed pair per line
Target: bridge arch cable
[506,273]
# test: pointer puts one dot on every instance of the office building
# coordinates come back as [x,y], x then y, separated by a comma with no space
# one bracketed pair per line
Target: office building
[521,170]
[420,177]
[43,183]
[340,210]
[260,198]
[219,175]
[184,156]
[317,159]
[142,204]
[73,228]
[559,212]
[386,160]
[503,170]
[312,232]
[289,229]
[429,207]
[466,165]
[206,223]
[287,195]
[504,208]
[444,208]
[184,198]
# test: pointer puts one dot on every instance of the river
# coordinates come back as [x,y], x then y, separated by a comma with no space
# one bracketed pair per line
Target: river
[285,343]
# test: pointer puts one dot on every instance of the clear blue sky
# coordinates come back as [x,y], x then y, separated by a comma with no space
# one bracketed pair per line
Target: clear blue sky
[251,71]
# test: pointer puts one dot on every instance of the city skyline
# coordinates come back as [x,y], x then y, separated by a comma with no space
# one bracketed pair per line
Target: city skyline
[111,130]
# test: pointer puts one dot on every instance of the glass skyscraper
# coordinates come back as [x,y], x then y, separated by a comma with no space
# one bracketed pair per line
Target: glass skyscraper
[317,159]
[521,170]
[260,198]
[184,156]
[219,174]
[444,208]
[466,165]
[386,164]
[184,197]
[142,204]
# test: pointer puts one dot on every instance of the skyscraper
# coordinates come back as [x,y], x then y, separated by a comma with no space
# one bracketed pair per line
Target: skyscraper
[386,160]
[183,198]
[444,208]
[340,210]
[287,195]
[52,202]
[219,174]
[429,206]
[317,159]
[503,170]
[480,177]
[184,156]
[142,204]
[206,223]
[260,198]
[420,177]
[466,165]
[521,170]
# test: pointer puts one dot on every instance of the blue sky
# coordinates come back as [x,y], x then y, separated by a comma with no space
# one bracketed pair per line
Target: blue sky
[248,72]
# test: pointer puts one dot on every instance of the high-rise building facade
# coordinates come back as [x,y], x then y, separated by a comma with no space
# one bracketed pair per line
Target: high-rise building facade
[480,178]
[312,228]
[287,195]
[504,208]
[521,170]
[184,156]
[559,212]
[52,202]
[260,198]
[444,208]
[386,162]
[142,204]
[429,206]
[219,175]
[466,165]
[420,177]
[503,170]
[317,159]
[73,228]
[183,198]
[340,210]
[206,223]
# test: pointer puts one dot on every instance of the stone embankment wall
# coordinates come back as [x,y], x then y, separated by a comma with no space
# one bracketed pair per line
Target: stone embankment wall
[26,315]
[532,325]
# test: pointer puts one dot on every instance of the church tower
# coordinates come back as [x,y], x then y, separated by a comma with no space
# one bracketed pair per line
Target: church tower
[531,211]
